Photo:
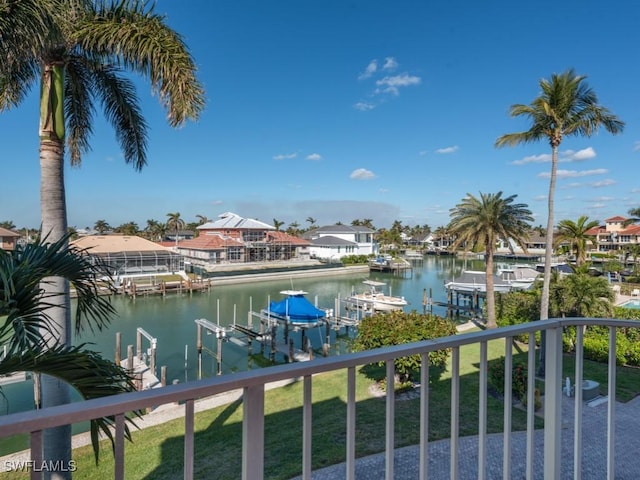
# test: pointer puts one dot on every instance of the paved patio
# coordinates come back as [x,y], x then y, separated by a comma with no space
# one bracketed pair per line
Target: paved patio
[594,460]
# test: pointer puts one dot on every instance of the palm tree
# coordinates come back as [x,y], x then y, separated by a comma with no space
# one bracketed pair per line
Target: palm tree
[68,48]
[311,221]
[483,221]
[101,226]
[175,224]
[129,228]
[575,233]
[277,224]
[293,227]
[8,224]
[155,230]
[26,324]
[566,107]
[202,219]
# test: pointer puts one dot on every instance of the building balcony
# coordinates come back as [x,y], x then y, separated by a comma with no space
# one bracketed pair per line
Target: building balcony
[574,442]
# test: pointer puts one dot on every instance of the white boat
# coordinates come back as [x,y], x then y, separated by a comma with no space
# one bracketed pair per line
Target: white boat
[374,299]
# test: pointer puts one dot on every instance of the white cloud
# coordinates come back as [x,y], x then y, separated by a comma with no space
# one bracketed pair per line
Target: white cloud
[601,199]
[285,156]
[364,106]
[448,149]
[603,183]
[539,198]
[545,157]
[566,156]
[636,146]
[580,155]
[314,156]
[598,205]
[217,202]
[390,64]
[384,190]
[574,173]
[370,70]
[572,185]
[362,174]
[422,153]
[392,84]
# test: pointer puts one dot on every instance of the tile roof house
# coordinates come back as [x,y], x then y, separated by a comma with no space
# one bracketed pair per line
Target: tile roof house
[130,255]
[234,239]
[8,239]
[615,234]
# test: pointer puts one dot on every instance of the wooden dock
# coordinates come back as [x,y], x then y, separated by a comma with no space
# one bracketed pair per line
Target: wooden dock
[162,288]
[145,379]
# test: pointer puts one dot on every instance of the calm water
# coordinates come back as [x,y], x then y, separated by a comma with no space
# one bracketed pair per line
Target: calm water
[171,319]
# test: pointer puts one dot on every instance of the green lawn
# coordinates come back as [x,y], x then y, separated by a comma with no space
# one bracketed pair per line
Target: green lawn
[157,452]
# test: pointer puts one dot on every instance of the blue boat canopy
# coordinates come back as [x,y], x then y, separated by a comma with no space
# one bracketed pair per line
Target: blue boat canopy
[297,308]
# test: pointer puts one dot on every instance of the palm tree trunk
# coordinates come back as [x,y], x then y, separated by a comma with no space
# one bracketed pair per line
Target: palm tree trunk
[57,441]
[548,252]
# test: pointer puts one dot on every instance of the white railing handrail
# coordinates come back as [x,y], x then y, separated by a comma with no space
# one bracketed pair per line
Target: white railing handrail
[23,422]
[252,383]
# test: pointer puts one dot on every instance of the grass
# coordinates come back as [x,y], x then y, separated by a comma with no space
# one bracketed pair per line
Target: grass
[157,452]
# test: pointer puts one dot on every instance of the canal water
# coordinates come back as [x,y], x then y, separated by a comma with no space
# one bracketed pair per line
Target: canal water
[171,320]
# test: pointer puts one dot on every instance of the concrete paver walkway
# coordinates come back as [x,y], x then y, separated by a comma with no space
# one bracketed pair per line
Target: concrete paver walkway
[594,452]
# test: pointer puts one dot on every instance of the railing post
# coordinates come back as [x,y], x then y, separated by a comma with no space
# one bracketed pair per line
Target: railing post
[553,403]
[253,433]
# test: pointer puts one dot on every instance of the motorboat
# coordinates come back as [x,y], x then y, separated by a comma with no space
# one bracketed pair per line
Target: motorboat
[374,299]
[296,309]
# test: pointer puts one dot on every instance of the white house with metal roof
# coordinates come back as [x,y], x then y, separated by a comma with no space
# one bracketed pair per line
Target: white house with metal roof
[333,242]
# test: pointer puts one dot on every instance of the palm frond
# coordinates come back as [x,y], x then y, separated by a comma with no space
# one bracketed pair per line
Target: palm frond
[129,33]
[86,371]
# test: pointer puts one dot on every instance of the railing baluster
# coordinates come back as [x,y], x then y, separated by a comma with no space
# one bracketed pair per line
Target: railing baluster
[424,417]
[577,419]
[36,446]
[307,403]
[390,420]
[455,411]
[553,403]
[508,405]
[351,424]
[253,433]
[189,447]
[482,414]
[119,448]
[531,403]
[611,410]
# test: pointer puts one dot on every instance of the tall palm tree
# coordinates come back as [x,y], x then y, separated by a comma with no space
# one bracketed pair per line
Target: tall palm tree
[311,221]
[26,324]
[202,219]
[483,221]
[566,107]
[68,49]
[175,224]
[575,233]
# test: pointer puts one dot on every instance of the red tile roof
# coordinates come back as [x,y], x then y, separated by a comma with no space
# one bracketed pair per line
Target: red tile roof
[209,242]
[283,237]
[617,218]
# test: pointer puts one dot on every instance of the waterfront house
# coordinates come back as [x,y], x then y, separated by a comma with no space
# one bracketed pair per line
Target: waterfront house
[337,241]
[8,239]
[130,255]
[233,239]
[615,234]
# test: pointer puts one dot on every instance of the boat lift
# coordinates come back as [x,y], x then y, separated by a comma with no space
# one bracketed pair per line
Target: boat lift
[221,335]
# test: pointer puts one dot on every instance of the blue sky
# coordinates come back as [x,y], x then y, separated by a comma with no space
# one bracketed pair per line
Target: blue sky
[364,109]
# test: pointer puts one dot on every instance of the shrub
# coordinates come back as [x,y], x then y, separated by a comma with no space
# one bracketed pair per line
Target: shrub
[397,328]
[519,377]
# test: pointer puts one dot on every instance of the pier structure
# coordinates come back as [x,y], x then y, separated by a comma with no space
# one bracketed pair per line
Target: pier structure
[395,266]
[133,289]
[141,365]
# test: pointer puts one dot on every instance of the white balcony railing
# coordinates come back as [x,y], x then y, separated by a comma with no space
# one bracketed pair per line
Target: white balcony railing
[253,385]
